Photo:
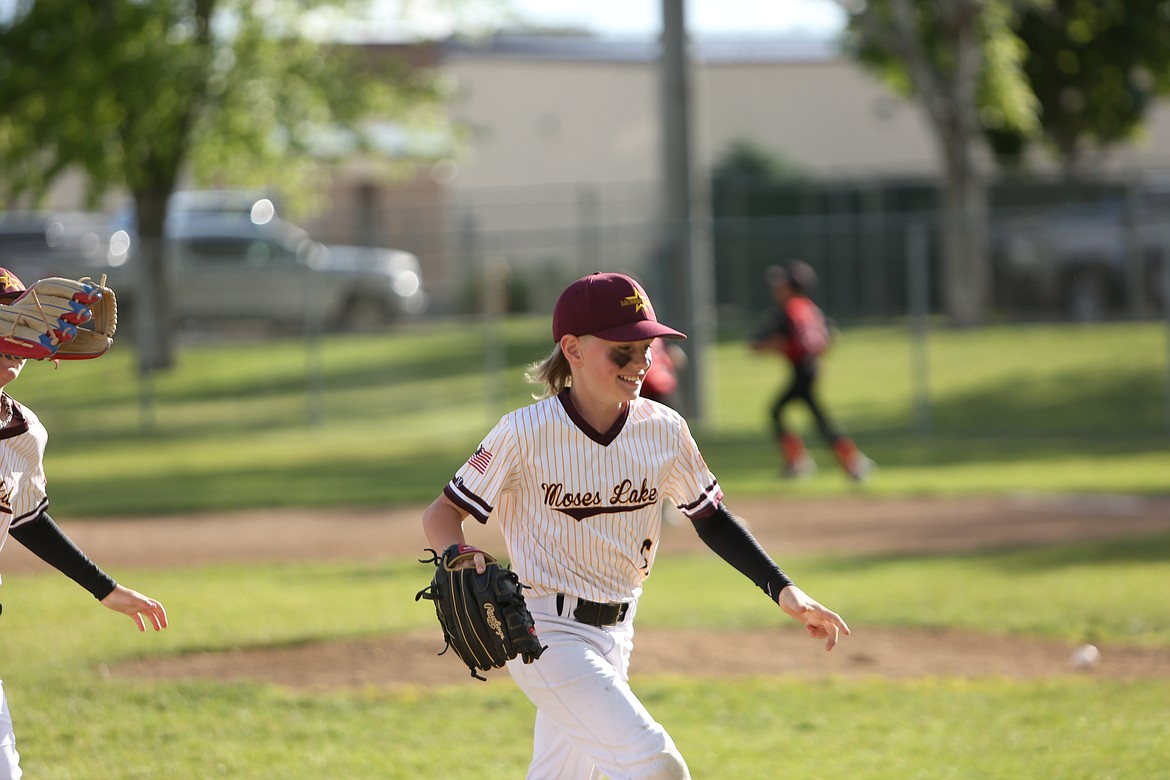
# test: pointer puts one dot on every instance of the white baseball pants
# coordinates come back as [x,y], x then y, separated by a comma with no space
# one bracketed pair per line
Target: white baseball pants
[9,758]
[589,724]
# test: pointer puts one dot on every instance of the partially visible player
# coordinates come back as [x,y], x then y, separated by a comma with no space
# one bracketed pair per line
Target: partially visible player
[661,381]
[575,481]
[796,330]
[24,516]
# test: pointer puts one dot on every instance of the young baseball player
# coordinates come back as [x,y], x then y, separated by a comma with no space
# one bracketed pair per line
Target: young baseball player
[24,517]
[796,330]
[575,481]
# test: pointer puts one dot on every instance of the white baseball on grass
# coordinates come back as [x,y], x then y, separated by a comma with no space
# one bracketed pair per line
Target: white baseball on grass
[1085,655]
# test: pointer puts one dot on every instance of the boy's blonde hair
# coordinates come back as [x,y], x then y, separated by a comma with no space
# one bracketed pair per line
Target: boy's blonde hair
[553,373]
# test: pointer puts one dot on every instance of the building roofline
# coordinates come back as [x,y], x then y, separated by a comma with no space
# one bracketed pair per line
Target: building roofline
[579,47]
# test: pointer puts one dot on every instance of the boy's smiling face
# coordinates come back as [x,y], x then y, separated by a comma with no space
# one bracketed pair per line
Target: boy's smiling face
[613,370]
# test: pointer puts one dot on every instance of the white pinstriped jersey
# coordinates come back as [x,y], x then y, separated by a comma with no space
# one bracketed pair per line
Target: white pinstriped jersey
[22,470]
[579,509]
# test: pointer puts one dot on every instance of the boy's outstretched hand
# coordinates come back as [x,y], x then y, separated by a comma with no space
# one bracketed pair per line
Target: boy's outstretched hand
[140,607]
[820,621]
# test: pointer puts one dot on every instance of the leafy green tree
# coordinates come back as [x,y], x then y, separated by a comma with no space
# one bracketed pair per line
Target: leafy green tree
[136,94]
[961,60]
[746,159]
[1095,67]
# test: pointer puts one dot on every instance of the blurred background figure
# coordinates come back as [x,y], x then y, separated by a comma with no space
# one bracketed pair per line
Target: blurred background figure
[796,329]
[661,382]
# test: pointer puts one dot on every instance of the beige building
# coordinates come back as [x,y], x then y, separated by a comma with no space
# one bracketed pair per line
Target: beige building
[561,166]
[559,169]
[552,110]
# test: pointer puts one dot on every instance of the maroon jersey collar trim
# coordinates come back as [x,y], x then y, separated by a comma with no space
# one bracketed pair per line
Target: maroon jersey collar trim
[601,438]
[18,425]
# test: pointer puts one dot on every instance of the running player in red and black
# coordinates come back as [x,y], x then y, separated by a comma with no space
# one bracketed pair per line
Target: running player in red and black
[797,330]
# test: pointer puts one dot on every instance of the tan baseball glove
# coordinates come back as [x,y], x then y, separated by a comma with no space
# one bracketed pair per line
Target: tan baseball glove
[59,318]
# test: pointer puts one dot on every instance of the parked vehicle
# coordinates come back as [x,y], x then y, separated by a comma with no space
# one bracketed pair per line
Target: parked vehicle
[1087,261]
[396,264]
[36,244]
[233,258]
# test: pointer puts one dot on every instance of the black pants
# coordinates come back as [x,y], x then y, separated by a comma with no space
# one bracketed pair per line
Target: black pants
[803,388]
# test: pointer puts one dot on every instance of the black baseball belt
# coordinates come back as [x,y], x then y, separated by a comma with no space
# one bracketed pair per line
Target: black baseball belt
[595,613]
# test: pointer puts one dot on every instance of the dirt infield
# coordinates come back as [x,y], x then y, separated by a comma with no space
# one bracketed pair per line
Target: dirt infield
[852,525]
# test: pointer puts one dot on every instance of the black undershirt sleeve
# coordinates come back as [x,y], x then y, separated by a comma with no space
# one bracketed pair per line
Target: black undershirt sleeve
[45,539]
[734,543]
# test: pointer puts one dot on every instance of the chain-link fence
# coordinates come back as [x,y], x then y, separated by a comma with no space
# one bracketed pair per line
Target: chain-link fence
[1056,251]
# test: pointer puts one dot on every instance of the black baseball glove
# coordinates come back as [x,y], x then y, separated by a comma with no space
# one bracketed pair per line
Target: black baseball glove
[483,616]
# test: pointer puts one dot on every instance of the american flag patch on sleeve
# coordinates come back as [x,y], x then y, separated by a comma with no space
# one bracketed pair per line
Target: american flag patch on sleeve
[480,460]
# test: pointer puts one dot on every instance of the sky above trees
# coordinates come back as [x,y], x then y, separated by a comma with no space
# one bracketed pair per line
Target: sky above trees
[812,18]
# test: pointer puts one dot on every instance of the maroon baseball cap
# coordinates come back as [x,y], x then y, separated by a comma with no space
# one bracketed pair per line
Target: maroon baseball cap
[610,306]
[11,287]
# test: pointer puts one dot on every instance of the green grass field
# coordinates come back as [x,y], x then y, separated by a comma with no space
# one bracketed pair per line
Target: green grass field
[1041,408]
[70,717]
[388,420]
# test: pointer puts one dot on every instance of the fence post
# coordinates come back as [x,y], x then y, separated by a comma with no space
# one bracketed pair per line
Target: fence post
[495,310]
[1133,216]
[145,399]
[918,297]
[314,361]
[1166,314]
[314,380]
[589,253]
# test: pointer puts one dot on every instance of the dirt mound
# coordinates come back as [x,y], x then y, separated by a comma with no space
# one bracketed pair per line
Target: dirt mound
[857,524]
[412,660]
[852,525]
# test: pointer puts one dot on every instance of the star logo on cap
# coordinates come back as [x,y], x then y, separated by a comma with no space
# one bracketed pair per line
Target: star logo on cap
[8,280]
[636,300]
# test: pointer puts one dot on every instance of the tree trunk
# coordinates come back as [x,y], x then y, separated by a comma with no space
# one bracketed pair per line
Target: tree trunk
[152,294]
[948,90]
[966,281]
